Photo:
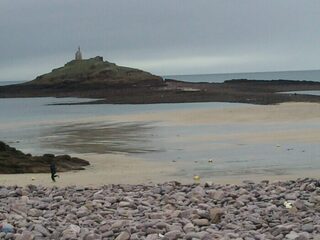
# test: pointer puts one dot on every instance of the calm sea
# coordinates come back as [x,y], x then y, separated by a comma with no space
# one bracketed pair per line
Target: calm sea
[308,75]
[3,83]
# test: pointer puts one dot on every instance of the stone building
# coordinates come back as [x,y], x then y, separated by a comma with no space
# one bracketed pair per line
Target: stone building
[78,54]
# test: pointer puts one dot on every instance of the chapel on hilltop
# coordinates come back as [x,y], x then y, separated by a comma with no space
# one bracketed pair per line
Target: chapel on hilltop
[78,54]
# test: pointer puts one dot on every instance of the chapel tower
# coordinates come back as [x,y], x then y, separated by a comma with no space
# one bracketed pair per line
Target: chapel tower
[78,54]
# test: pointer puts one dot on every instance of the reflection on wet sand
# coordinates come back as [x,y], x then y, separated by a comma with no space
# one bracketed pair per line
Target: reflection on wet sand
[100,138]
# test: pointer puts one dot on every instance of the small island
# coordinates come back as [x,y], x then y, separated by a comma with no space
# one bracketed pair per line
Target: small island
[110,83]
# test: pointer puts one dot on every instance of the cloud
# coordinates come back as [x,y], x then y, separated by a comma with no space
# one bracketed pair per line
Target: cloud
[165,37]
[27,70]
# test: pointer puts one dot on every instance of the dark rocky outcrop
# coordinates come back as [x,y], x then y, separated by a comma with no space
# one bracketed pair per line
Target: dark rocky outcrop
[15,161]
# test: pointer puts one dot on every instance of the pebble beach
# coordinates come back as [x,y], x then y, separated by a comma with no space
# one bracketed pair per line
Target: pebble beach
[277,210]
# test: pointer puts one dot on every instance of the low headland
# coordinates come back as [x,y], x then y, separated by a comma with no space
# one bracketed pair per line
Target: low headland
[99,79]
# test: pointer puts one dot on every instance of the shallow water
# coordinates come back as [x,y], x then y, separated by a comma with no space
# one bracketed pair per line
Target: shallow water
[315,93]
[35,126]
[307,75]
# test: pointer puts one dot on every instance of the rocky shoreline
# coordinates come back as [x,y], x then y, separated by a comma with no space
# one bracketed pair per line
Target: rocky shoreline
[14,161]
[280,210]
[172,91]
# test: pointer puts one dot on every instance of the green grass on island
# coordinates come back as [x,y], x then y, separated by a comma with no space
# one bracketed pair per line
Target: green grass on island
[94,71]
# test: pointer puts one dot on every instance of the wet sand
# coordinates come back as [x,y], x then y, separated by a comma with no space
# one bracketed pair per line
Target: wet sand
[124,168]
[104,169]
[119,169]
[285,112]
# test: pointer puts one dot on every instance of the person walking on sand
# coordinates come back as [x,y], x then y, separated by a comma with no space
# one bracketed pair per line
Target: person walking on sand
[53,171]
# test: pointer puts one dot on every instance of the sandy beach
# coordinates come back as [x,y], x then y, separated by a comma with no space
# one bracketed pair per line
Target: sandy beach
[104,169]
[113,169]
[247,113]
[127,168]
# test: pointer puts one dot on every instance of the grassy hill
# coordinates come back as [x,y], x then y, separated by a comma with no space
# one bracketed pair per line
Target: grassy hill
[96,72]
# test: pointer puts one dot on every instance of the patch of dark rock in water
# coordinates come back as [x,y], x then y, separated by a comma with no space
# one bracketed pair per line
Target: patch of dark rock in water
[15,161]
[165,211]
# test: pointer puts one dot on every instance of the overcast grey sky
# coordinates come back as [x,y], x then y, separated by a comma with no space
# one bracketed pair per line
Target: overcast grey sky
[161,36]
